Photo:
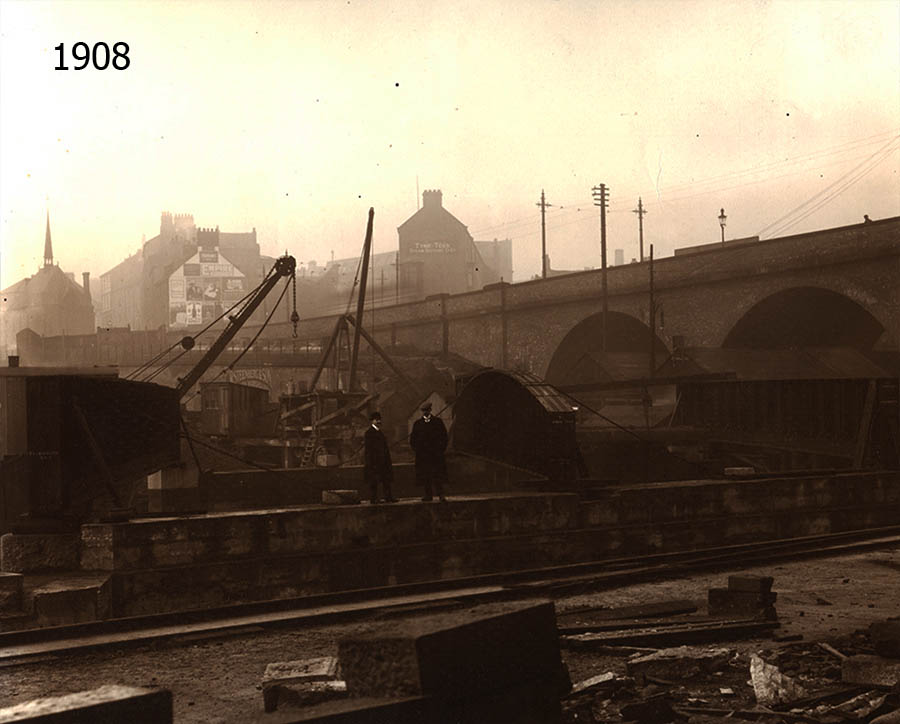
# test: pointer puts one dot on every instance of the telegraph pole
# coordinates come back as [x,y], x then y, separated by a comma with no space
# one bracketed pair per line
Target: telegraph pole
[640,211]
[652,319]
[601,197]
[543,204]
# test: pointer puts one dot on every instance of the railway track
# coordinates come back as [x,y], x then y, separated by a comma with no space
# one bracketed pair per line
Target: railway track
[22,647]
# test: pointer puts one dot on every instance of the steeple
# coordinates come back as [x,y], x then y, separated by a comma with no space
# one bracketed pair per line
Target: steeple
[48,245]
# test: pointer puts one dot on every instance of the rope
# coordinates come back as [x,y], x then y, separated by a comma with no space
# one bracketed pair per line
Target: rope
[249,344]
[143,368]
[191,441]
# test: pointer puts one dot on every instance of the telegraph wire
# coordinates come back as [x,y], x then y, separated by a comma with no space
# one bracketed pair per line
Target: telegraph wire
[562,209]
[884,152]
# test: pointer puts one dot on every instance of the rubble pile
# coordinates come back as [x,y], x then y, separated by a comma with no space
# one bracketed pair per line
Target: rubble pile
[855,678]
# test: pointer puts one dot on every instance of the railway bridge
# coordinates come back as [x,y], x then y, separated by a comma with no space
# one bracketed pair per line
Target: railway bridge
[836,287]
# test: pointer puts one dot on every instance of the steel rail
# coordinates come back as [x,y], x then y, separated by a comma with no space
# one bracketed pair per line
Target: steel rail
[21,647]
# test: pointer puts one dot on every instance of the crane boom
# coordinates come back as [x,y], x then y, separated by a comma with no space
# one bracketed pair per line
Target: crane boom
[284,267]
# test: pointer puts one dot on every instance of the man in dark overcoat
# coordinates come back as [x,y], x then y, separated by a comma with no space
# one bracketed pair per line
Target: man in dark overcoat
[378,467]
[429,441]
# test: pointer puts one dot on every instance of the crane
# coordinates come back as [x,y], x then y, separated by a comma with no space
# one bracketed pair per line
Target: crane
[285,266]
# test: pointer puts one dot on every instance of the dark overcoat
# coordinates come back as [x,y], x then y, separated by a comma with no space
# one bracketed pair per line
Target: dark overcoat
[429,441]
[378,465]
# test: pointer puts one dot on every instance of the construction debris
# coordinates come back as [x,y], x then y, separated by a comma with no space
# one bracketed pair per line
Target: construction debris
[870,670]
[678,664]
[677,635]
[655,710]
[594,683]
[644,610]
[301,683]
[770,685]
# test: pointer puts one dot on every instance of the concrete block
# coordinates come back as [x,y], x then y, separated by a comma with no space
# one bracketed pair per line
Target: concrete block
[455,654]
[756,584]
[885,637]
[10,592]
[677,664]
[111,704]
[34,552]
[340,497]
[725,602]
[870,670]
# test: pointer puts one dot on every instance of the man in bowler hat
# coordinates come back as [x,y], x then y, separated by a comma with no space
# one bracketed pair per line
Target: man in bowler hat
[378,467]
[429,441]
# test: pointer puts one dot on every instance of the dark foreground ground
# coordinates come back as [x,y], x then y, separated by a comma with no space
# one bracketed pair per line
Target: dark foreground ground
[218,679]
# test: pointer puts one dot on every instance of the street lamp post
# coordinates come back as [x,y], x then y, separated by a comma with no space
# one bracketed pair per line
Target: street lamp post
[601,198]
[722,218]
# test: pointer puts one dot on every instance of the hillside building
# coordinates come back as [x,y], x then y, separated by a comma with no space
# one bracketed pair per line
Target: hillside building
[50,303]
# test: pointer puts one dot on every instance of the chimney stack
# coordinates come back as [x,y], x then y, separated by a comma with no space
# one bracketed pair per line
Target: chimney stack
[86,276]
[431,197]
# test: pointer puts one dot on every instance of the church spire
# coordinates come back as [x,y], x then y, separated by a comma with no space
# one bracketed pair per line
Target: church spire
[48,245]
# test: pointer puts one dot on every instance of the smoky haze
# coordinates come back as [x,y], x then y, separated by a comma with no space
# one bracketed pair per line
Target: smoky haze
[295,118]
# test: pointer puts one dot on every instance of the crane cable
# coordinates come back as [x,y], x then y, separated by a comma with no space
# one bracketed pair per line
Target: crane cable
[249,344]
[146,366]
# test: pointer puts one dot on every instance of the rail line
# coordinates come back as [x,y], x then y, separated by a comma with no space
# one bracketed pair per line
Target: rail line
[27,646]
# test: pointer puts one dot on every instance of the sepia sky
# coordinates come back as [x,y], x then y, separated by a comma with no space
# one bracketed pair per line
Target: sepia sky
[296,117]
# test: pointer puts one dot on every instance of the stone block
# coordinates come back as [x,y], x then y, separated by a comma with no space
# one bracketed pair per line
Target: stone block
[885,637]
[10,592]
[677,664]
[455,654]
[725,602]
[340,497]
[35,552]
[866,670]
[73,600]
[756,584]
[109,704]
[298,683]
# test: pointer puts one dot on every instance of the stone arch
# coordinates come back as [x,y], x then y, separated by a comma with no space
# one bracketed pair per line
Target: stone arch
[579,357]
[805,317]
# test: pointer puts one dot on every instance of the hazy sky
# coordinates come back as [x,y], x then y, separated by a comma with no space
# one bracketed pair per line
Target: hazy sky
[296,117]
